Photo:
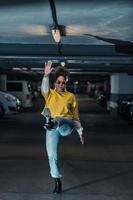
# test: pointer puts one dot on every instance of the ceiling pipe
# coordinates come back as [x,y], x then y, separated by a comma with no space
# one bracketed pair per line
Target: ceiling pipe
[53,9]
[55,29]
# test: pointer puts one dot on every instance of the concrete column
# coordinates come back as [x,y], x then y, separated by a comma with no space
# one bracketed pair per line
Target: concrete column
[3,80]
[121,85]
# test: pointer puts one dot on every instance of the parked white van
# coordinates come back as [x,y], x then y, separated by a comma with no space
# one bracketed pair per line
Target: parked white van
[9,104]
[22,90]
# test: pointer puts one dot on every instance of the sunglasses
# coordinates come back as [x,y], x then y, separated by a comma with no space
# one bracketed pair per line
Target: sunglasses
[59,82]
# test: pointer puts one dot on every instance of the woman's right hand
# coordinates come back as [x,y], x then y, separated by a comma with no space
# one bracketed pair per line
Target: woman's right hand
[81,139]
[48,68]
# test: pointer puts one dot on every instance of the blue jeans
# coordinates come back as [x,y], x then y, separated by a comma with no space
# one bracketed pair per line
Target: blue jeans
[52,144]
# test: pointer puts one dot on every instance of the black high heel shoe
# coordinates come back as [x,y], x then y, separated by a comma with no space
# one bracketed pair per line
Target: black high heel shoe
[58,186]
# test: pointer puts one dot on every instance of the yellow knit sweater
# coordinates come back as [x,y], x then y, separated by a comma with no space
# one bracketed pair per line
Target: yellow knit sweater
[62,104]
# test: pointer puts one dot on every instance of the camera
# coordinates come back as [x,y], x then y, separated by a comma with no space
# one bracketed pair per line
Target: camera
[48,123]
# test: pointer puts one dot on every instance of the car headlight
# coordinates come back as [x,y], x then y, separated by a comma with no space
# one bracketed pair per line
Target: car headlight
[8,98]
[128,103]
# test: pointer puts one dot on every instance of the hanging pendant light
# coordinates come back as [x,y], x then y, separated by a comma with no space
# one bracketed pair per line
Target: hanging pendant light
[56,34]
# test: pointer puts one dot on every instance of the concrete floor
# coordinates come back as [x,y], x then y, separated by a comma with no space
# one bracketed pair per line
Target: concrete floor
[29,179]
[101,169]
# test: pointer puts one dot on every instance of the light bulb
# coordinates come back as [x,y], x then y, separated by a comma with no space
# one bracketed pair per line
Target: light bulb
[56,35]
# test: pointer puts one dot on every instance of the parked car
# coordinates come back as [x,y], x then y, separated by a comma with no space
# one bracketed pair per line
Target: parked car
[125,107]
[101,98]
[1,110]
[22,90]
[9,104]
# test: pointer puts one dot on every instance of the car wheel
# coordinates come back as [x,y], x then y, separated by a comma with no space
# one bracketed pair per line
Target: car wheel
[2,112]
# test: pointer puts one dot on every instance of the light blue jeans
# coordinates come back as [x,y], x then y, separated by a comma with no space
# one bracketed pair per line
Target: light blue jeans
[52,145]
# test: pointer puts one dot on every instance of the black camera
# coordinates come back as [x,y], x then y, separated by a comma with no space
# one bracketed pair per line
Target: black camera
[48,123]
[48,120]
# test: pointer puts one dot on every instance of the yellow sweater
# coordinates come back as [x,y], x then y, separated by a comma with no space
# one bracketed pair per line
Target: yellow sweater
[62,104]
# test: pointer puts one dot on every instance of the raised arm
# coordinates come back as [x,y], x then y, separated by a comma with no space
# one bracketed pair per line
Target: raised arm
[45,81]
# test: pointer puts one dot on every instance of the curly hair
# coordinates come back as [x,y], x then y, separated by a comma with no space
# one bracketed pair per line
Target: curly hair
[61,71]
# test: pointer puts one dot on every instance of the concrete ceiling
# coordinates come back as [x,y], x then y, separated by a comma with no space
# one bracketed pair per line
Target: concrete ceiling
[94,29]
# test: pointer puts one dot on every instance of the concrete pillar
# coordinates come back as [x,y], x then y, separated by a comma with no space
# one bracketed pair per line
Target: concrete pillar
[3,80]
[121,85]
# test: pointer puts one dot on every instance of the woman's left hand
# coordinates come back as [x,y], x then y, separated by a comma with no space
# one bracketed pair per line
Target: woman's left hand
[81,139]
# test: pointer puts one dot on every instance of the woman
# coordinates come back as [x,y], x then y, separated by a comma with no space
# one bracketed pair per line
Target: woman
[61,117]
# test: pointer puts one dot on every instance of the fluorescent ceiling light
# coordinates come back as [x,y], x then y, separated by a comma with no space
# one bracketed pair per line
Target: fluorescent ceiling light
[37,69]
[24,68]
[16,68]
